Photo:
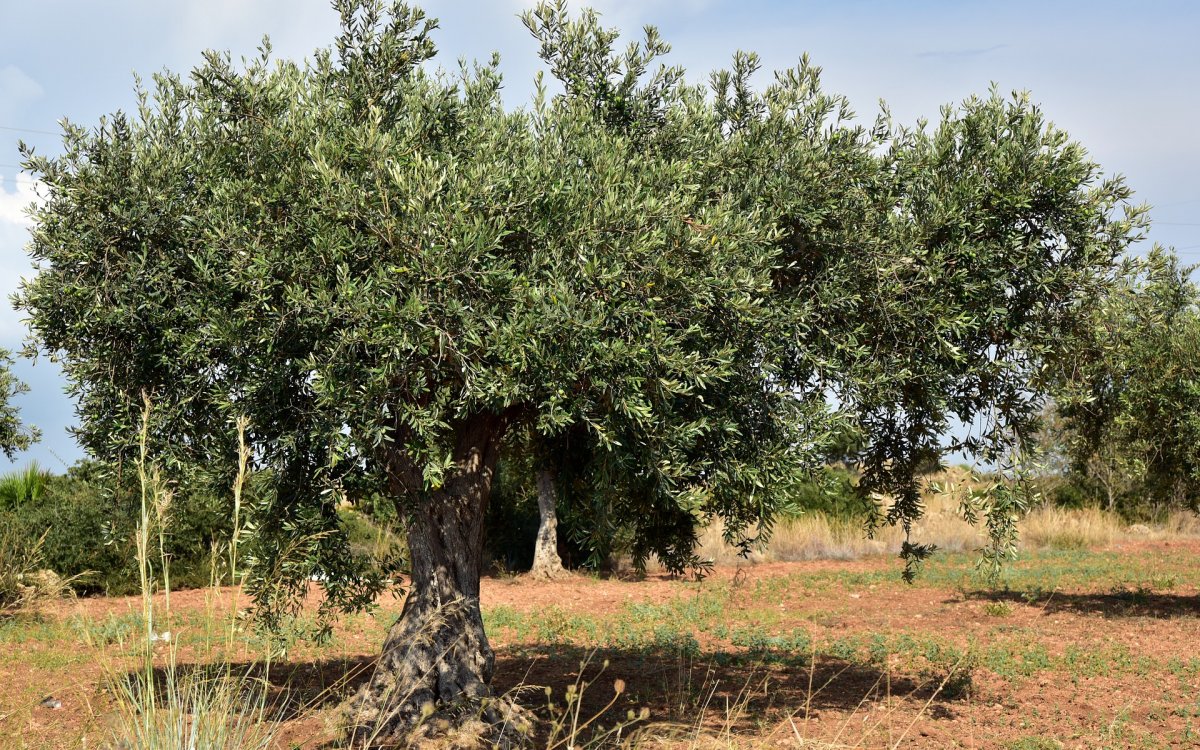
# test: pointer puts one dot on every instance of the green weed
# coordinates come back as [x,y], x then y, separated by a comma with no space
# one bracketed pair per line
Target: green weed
[1034,743]
[997,609]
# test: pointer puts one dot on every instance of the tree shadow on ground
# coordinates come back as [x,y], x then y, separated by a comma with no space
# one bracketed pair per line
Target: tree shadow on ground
[1121,602]
[293,688]
[705,691]
[714,691]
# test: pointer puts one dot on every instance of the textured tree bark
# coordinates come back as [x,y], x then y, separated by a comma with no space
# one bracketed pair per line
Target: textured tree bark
[547,565]
[433,677]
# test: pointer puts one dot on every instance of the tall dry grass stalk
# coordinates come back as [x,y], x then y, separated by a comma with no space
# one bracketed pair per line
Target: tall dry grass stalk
[194,711]
[162,706]
[239,485]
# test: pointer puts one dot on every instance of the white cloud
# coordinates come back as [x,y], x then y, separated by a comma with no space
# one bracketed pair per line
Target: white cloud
[13,204]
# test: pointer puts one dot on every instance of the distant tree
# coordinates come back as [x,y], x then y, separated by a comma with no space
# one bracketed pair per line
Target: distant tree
[14,435]
[1128,397]
[388,274]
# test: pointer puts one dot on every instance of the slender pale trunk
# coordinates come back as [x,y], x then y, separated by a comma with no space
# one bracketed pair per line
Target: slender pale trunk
[436,667]
[1108,476]
[546,562]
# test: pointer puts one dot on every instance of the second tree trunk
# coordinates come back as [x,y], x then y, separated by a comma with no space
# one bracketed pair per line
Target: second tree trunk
[546,562]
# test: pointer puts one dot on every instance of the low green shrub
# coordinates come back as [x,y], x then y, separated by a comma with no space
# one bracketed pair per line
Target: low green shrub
[1071,492]
[75,526]
[89,525]
[831,492]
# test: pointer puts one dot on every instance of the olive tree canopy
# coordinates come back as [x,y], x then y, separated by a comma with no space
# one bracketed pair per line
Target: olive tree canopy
[386,271]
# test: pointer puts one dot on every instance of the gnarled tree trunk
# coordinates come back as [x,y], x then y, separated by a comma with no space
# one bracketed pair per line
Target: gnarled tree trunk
[547,564]
[435,671]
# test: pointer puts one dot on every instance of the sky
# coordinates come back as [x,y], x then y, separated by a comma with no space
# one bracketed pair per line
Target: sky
[1119,77]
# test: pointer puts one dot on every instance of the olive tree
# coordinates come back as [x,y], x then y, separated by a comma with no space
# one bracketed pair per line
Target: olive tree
[1128,396]
[390,276]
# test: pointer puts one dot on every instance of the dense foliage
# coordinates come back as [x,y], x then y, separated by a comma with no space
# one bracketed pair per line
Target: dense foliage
[1128,396]
[87,523]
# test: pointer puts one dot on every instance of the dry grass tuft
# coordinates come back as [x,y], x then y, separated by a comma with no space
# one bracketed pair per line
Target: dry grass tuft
[24,583]
[1058,528]
[1177,523]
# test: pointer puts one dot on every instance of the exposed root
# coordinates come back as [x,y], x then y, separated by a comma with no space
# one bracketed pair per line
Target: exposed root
[468,725]
[549,573]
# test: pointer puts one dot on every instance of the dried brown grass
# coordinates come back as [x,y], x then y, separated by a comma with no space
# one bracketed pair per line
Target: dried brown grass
[24,583]
[817,536]
[1048,527]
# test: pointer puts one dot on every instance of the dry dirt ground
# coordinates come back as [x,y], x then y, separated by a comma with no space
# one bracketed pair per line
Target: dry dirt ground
[1076,648]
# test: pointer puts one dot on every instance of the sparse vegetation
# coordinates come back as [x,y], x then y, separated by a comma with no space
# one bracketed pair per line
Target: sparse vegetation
[722,663]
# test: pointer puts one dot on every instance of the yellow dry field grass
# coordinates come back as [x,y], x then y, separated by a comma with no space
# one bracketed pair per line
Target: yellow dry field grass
[817,536]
